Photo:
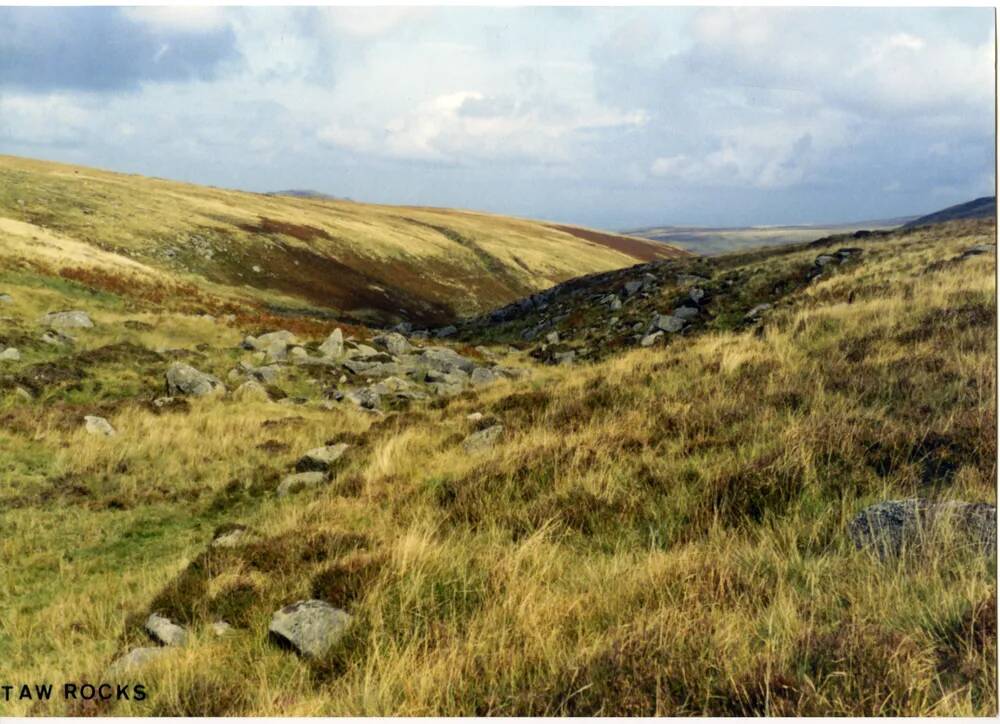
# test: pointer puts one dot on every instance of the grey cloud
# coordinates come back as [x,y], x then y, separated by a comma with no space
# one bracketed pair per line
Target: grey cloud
[99,49]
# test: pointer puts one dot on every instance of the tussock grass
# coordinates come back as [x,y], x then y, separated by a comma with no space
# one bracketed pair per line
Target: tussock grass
[659,533]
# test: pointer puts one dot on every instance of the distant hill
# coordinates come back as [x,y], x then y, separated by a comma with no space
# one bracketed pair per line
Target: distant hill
[719,240]
[982,208]
[307,194]
[364,262]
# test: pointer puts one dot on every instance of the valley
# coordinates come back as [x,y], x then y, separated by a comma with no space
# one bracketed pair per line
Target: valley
[436,462]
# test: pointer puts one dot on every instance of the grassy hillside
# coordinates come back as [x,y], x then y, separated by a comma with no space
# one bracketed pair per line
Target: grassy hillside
[659,531]
[358,261]
[705,240]
[981,208]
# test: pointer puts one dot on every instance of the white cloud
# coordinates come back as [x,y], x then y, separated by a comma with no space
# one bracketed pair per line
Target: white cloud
[179,18]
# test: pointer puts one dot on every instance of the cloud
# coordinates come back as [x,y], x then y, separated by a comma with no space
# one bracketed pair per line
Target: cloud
[179,18]
[103,49]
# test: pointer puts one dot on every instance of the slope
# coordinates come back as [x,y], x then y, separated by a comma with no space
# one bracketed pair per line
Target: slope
[658,531]
[981,208]
[379,264]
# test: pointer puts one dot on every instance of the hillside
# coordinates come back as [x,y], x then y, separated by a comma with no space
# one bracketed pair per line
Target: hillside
[662,522]
[358,262]
[981,208]
[719,240]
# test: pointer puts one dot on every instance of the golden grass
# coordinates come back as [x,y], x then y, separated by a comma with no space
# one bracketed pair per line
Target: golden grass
[659,533]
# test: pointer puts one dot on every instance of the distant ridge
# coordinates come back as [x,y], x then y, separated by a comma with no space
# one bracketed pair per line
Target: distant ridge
[306,194]
[984,207]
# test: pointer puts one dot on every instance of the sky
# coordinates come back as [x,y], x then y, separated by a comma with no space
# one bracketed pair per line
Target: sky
[609,117]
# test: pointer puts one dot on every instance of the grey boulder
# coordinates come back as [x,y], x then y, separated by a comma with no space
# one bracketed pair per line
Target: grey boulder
[183,379]
[333,346]
[312,628]
[98,426]
[393,342]
[300,481]
[321,458]
[73,319]
[165,631]
[136,659]
[668,323]
[482,440]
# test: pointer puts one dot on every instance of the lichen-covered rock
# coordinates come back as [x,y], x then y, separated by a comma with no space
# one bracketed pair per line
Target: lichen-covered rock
[10,355]
[251,391]
[393,342]
[668,323]
[890,527]
[312,628]
[300,481]
[482,440]
[321,458]
[98,426]
[136,659]
[73,319]
[165,631]
[183,379]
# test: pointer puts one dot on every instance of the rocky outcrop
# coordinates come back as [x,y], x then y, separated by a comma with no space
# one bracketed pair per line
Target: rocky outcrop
[891,527]
[73,319]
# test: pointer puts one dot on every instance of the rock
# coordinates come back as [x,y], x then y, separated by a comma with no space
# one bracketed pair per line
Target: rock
[363,351]
[6,299]
[631,287]
[564,358]
[232,538]
[57,338]
[364,397]
[300,481]
[22,393]
[650,339]
[282,336]
[482,440]
[333,346]
[979,249]
[483,376]
[890,527]
[312,628]
[394,343]
[183,379]
[297,353]
[74,319]
[696,294]
[10,355]
[552,338]
[668,323]
[165,631]
[220,628]
[757,311]
[275,351]
[321,458]
[136,659]
[446,359]
[686,313]
[474,416]
[448,331]
[824,259]
[98,426]
[251,391]
[403,328]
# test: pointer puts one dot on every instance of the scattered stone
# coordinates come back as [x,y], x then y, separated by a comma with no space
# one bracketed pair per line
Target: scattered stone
[893,526]
[136,659]
[183,379]
[300,481]
[220,628]
[98,426]
[650,339]
[298,353]
[6,299]
[165,631]
[564,358]
[394,343]
[321,458]
[251,391]
[312,628]
[483,376]
[686,313]
[631,287]
[696,294]
[74,319]
[57,338]
[333,346]
[474,416]
[757,311]
[482,440]
[668,323]
[552,338]
[232,538]
[448,331]
[364,397]
[979,249]
[10,355]
[824,259]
